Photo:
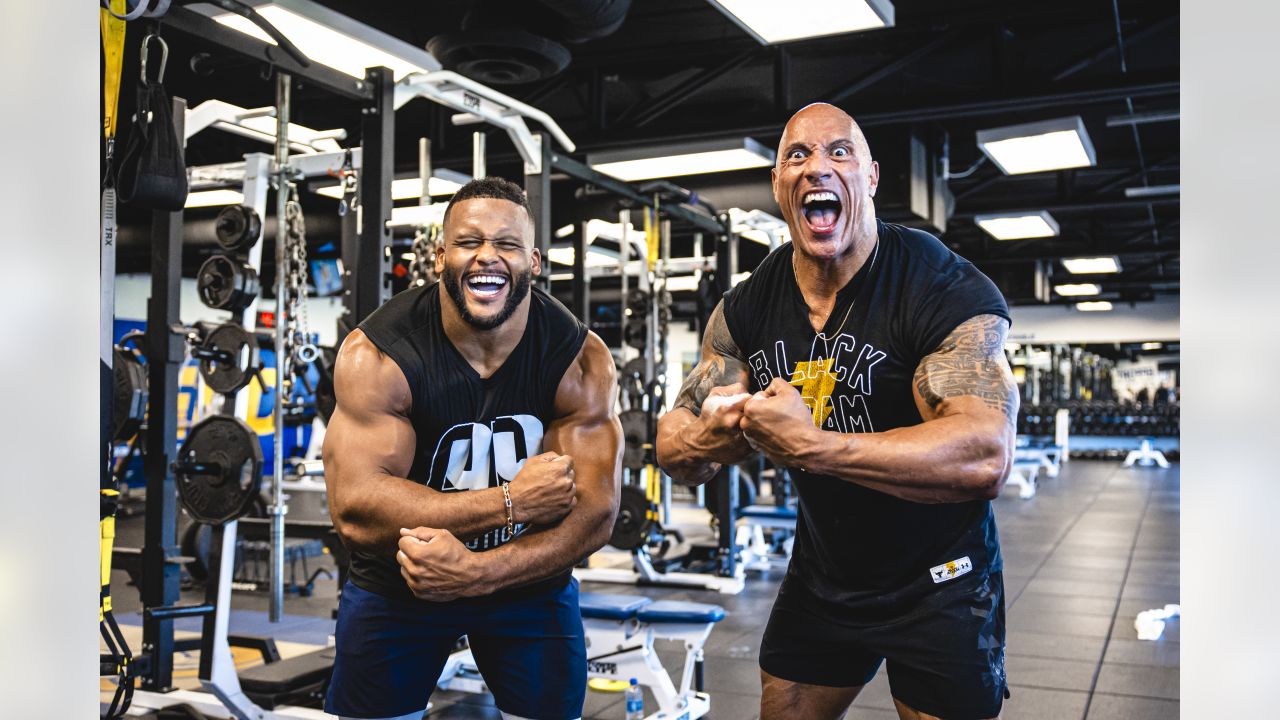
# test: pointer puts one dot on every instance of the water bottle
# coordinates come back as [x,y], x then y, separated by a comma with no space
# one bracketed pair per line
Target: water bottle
[635,701]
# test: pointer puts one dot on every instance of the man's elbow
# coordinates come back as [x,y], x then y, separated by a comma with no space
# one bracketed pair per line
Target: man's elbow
[351,528]
[602,521]
[989,470]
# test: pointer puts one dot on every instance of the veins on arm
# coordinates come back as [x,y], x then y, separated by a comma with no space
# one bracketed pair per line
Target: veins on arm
[722,363]
[970,362]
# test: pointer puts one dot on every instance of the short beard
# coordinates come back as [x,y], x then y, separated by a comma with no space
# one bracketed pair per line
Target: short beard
[519,289]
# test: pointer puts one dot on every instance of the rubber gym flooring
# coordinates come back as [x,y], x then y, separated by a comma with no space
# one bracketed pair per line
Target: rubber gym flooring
[1096,546]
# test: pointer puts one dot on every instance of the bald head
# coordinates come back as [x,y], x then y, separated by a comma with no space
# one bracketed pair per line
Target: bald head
[829,117]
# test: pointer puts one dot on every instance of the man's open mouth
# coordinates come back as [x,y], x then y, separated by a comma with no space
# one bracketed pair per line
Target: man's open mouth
[821,210]
[486,285]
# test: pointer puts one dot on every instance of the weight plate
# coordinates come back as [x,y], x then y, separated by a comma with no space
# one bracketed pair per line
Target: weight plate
[634,368]
[635,434]
[638,303]
[237,228]
[631,529]
[219,469]
[129,394]
[229,377]
[637,334]
[225,283]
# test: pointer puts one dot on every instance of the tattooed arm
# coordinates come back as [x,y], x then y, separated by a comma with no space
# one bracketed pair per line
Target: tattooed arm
[692,444]
[964,448]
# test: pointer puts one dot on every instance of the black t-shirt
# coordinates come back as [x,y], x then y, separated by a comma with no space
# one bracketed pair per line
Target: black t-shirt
[862,549]
[472,433]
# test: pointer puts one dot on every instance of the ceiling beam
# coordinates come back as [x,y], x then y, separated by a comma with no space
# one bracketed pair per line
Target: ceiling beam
[1108,48]
[847,91]
[654,108]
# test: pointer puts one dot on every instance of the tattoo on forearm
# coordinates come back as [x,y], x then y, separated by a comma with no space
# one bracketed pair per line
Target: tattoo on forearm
[971,362]
[722,364]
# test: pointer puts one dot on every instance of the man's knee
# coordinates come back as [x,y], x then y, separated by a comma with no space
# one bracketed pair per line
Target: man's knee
[785,699]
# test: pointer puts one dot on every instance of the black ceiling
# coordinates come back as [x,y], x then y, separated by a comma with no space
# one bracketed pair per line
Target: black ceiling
[680,69]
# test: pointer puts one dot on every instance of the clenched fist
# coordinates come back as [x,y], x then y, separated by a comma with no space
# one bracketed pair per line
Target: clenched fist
[778,422]
[719,435]
[543,491]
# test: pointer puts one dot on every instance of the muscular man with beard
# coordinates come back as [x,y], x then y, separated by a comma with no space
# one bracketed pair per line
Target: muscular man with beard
[875,356]
[473,459]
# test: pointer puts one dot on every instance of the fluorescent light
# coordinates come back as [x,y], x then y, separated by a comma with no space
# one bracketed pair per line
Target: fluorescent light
[679,283]
[683,159]
[1094,306]
[1039,146]
[1012,346]
[404,188]
[770,21]
[1092,265]
[1018,226]
[418,215]
[564,231]
[211,198]
[1080,289]
[333,39]
[595,257]
[1152,345]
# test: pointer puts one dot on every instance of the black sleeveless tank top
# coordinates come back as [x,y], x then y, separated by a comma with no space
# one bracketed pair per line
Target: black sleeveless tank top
[472,432]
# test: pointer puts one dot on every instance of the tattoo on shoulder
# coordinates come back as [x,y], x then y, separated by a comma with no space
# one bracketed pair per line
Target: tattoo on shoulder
[971,362]
[722,364]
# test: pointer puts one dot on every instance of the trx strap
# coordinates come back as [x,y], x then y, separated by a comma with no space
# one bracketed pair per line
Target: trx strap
[118,660]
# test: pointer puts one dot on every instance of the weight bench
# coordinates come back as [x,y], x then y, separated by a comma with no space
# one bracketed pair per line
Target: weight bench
[1146,456]
[1024,473]
[752,522]
[620,631]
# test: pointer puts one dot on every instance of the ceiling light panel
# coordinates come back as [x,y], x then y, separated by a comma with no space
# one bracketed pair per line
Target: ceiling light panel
[771,21]
[1094,306]
[1092,265]
[684,159]
[1018,226]
[333,39]
[1039,146]
[1078,289]
[214,198]
[404,188]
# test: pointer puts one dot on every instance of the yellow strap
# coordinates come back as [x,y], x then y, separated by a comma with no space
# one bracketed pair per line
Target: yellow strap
[113,54]
[653,233]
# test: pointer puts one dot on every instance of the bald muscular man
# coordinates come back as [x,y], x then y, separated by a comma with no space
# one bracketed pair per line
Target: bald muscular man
[868,359]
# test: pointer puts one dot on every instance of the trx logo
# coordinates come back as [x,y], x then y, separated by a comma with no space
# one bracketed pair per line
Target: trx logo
[951,570]
[603,668]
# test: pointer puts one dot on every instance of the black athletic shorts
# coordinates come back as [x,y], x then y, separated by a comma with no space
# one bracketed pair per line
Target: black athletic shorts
[944,655]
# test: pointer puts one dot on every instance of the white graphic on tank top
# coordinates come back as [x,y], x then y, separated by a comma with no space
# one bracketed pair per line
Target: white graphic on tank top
[834,382]
[471,456]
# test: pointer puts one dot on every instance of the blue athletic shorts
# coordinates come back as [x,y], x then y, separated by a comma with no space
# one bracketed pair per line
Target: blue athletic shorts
[390,651]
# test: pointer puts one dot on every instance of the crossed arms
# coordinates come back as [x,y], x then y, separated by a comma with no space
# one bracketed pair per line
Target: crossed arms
[569,495]
[963,450]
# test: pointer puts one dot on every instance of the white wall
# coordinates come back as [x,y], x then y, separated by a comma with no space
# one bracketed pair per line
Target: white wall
[132,292]
[1063,323]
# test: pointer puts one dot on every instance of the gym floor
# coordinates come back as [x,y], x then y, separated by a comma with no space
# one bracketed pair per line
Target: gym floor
[1095,547]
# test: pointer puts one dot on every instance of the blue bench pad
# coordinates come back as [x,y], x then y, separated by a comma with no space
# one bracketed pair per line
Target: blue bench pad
[767,511]
[672,611]
[610,607]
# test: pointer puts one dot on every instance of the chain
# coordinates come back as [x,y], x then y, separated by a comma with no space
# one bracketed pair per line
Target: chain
[299,348]
[422,269]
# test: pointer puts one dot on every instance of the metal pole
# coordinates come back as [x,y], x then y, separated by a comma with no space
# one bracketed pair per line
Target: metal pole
[424,170]
[624,254]
[276,608]
[477,155]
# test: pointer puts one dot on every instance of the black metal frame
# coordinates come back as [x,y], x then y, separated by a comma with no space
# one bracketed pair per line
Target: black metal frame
[368,286]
